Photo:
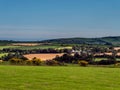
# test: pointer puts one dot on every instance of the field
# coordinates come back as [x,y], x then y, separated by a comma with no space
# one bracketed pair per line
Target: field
[25,44]
[98,59]
[58,78]
[43,56]
[1,47]
[36,47]
[2,54]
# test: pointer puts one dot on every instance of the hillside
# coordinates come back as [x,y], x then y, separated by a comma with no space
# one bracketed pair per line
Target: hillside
[103,40]
[112,40]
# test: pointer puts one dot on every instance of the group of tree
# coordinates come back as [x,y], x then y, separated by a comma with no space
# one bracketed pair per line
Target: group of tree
[76,58]
[35,51]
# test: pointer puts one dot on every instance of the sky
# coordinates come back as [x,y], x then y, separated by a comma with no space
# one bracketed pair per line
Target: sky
[49,19]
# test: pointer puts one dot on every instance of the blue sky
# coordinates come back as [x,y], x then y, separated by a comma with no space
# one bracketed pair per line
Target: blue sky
[46,19]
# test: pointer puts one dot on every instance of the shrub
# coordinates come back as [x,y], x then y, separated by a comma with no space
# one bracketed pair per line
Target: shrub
[117,64]
[16,61]
[75,62]
[106,62]
[83,63]
[53,63]
[1,61]
[29,62]
[36,61]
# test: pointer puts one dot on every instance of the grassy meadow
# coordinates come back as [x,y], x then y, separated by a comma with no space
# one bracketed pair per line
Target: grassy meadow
[7,46]
[36,47]
[2,54]
[58,78]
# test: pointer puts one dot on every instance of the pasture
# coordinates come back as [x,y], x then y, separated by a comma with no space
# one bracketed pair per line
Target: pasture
[2,54]
[58,78]
[1,47]
[43,47]
[34,46]
[37,47]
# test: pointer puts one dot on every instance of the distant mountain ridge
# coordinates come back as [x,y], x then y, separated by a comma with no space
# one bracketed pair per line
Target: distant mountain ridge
[111,40]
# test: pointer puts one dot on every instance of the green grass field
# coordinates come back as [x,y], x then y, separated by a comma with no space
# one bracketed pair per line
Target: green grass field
[29,47]
[36,47]
[99,59]
[58,78]
[2,54]
[42,47]
[1,47]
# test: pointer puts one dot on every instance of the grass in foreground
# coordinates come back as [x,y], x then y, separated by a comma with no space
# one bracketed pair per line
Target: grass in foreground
[58,78]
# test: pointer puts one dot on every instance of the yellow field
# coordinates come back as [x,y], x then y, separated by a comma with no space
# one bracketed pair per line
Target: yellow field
[43,56]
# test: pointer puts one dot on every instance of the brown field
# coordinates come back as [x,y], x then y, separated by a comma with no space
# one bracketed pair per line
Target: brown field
[116,48]
[43,56]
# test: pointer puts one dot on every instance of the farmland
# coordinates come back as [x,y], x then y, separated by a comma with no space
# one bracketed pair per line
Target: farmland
[58,78]
[8,46]
[41,47]
[29,47]
[2,54]
[43,56]
[21,71]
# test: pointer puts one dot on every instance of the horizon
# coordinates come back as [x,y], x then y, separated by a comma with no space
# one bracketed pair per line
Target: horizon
[28,20]
[56,38]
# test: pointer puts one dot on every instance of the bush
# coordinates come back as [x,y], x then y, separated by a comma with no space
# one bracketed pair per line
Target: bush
[1,61]
[117,64]
[13,55]
[29,62]
[106,62]
[36,61]
[83,63]
[16,61]
[53,63]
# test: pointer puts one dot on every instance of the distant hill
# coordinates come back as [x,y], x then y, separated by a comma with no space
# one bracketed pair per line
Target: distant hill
[5,42]
[112,40]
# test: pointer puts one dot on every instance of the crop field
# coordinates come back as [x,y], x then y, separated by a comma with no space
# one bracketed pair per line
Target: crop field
[25,44]
[58,78]
[43,56]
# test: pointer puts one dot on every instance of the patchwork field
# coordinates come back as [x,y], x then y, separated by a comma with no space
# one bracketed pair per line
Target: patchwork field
[43,56]
[58,78]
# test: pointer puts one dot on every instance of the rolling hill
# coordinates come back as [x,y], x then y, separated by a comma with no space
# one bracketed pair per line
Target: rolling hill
[112,40]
